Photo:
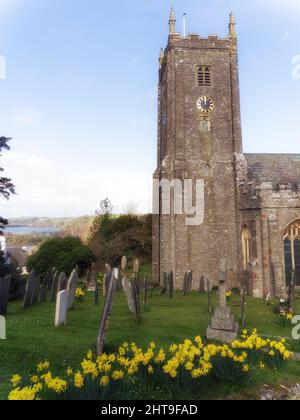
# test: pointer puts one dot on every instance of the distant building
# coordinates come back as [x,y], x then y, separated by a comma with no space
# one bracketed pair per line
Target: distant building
[252,201]
[18,256]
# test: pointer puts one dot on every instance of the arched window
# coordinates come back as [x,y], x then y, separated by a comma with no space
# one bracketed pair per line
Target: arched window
[204,76]
[291,238]
[246,240]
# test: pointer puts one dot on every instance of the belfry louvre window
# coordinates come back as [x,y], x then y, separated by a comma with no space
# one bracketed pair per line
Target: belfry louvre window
[204,76]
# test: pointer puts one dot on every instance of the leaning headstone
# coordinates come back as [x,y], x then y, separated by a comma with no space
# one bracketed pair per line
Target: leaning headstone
[105,317]
[29,290]
[62,282]
[71,288]
[4,294]
[223,327]
[54,287]
[171,285]
[36,290]
[43,291]
[61,308]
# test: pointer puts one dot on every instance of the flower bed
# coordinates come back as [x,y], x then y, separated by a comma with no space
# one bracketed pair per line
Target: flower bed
[181,371]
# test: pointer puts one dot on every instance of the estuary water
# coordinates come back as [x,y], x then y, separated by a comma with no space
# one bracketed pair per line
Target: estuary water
[27,230]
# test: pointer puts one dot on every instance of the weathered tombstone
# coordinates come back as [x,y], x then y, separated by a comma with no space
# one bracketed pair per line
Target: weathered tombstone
[223,327]
[97,295]
[164,286]
[4,294]
[2,328]
[29,290]
[54,287]
[105,317]
[190,282]
[51,277]
[145,290]
[171,286]
[62,282]
[106,282]
[43,291]
[243,306]
[209,297]
[123,263]
[202,285]
[36,290]
[127,286]
[92,279]
[185,284]
[71,288]
[107,268]
[136,266]
[61,308]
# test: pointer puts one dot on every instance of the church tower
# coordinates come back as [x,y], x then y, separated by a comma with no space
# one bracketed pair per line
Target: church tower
[199,138]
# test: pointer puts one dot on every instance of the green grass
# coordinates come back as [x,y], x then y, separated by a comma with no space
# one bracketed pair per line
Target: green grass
[32,337]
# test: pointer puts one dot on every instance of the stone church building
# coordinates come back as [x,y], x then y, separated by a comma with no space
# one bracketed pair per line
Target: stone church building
[251,201]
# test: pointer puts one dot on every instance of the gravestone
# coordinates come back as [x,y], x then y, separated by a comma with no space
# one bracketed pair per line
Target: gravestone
[136,266]
[43,291]
[223,327]
[62,282]
[61,308]
[54,287]
[97,295]
[4,294]
[106,316]
[202,284]
[127,286]
[93,278]
[185,284]
[123,263]
[29,290]
[2,328]
[164,286]
[171,286]
[190,282]
[71,288]
[107,268]
[36,290]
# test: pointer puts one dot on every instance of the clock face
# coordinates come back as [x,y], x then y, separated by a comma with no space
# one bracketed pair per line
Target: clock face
[205,104]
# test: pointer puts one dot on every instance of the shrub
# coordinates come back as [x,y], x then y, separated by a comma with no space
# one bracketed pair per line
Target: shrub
[112,237]
[62,253]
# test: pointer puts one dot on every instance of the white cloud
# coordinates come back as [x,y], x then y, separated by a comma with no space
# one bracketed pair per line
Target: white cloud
[27,117]
[47,188]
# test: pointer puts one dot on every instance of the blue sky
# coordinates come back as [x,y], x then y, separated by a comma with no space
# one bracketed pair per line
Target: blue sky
[79,98]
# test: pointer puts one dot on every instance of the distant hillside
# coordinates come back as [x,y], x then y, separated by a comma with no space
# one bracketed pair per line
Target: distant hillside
[77,226]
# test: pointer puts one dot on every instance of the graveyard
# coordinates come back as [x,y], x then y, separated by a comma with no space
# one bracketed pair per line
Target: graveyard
[165,319]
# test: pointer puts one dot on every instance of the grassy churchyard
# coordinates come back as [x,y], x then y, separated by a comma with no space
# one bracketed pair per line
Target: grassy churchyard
[32,337]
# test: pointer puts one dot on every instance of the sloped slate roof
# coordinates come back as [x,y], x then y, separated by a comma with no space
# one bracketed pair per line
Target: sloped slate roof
[18,255]
[275,168]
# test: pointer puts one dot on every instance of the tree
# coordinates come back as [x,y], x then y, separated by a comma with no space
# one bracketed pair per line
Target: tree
[62,253]
[7,188]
